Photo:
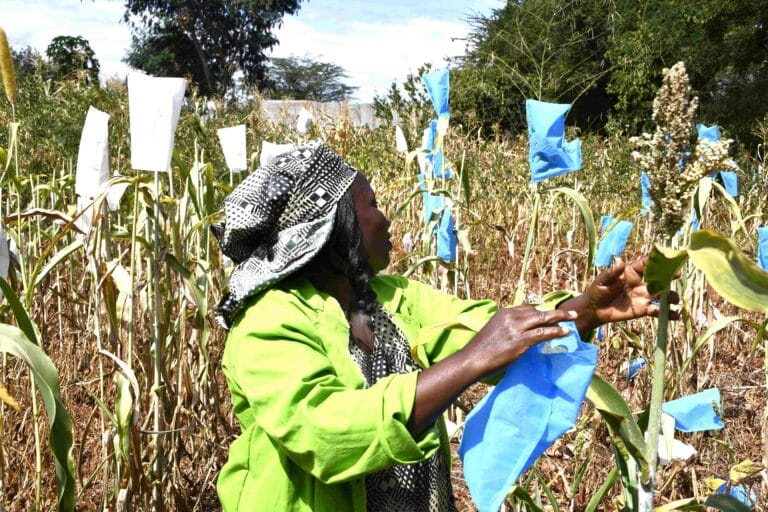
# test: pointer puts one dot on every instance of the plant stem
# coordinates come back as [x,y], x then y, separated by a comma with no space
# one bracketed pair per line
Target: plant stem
[520,292]
[657,397]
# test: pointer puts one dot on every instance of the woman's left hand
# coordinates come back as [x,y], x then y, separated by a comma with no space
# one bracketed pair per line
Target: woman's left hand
[617,294]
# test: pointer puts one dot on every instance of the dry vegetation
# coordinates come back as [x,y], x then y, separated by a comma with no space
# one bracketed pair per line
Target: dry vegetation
[141,285]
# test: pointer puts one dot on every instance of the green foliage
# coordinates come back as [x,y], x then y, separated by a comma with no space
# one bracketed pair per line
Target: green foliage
[14,341]
[73,57]
[306,78]
[541,49]
[209,41]
[606,57]
[723,44]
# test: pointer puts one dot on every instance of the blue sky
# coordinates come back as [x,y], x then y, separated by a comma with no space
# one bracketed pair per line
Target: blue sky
[375,41]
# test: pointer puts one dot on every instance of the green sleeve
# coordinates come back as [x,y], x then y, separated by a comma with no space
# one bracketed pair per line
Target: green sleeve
[278,361]
[446,323]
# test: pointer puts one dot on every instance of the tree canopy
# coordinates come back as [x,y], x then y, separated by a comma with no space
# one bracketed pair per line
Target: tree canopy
[209,40]
[306,78]
[71,55]
[606,57]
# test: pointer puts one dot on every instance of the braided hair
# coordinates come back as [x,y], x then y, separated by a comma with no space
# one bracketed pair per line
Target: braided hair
[344,254]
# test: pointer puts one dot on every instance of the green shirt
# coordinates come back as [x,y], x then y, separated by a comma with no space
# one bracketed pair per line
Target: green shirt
[311,429]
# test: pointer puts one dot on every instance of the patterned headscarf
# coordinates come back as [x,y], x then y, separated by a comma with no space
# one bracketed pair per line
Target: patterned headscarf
[278,219]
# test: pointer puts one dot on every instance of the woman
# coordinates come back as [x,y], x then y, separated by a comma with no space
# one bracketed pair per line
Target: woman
[339,376]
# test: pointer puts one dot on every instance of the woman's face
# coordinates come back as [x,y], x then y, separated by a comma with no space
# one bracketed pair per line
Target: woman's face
[373,224]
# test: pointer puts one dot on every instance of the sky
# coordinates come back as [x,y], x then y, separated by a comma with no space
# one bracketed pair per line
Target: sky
[376,42]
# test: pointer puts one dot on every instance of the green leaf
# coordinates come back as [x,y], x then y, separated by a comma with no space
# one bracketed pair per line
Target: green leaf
[522,495]
[713,328]
[662,265]
[23,320]
[596,498]
[684,505]
[589,222]
[731,274]
[726,503]
[619,419]
[58,258]
[15,342]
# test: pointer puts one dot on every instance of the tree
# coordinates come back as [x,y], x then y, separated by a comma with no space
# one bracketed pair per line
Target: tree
[72,56]
[541,49]
[305,78]
[210,41]
[724,44]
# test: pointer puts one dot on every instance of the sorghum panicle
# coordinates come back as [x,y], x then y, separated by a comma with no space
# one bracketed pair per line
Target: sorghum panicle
[673,166]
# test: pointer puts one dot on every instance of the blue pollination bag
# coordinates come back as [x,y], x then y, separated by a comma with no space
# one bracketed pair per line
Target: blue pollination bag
[613,243]
[762,248]
[536,402]
[438,87]
[645,190]
[605,221]
[695,413]
[730,178]
[710,133]
[446,237]
[429,140]
[548,154]
[730,182]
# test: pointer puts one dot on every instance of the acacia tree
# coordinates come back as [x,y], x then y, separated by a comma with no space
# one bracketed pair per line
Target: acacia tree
[208,40]
[305,78]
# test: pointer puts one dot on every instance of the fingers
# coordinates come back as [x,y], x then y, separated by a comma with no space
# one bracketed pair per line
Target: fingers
[654,310]
[611,275]
[545,333]
[537,318]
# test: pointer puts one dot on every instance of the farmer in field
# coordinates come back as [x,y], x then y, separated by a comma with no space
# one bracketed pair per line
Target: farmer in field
[339,376]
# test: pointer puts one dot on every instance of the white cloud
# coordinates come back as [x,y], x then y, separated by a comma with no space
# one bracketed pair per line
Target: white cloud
[377,43]
[375,54]
[36,22]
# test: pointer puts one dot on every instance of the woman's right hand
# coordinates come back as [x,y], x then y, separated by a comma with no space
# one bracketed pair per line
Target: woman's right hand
[509,333]
[506,336]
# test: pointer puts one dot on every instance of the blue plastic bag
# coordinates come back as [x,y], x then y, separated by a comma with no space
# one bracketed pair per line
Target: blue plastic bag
[446,237]
[741,492]
[730,182]
[645,190]
[762,247]
[433,203]
[431,134]
[613,243]
[548,154]
[634,366]
[710,133]
[438,86]
[695,413]
[605,221]
[438,168]
[535,403]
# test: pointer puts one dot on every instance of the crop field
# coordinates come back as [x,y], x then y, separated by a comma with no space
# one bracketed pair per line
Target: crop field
[120,404]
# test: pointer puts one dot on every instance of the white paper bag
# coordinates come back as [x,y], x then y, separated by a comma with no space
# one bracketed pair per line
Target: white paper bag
[93,156]
[233,144]
[304,122]
[154,105]
[400,142]
[270,150]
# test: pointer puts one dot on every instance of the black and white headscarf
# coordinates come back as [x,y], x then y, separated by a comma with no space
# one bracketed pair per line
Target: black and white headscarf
[278,219]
